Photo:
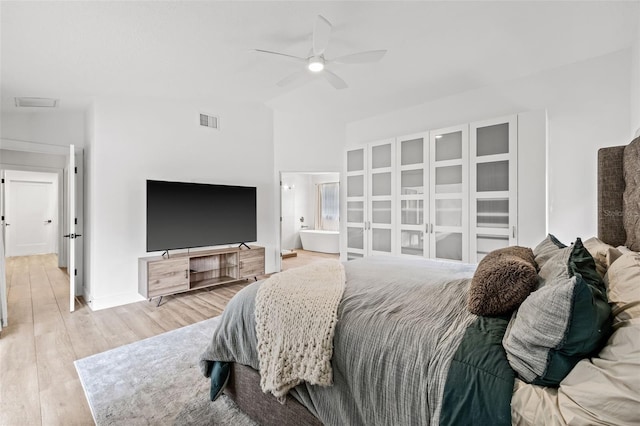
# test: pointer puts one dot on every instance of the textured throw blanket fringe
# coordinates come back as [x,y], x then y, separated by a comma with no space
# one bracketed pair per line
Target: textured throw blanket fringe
[296,315]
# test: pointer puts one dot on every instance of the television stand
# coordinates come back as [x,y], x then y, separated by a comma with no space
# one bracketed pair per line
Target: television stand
[161,276]
[244,244]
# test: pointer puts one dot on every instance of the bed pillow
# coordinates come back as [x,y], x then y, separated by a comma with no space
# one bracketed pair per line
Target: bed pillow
[603,254]
[547,248]
[503,279]
[566,319]
[623,288]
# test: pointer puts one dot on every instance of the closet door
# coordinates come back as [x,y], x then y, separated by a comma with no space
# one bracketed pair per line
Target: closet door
[381,218]
[356,188]
[494,174]
[412,189]
[449,193]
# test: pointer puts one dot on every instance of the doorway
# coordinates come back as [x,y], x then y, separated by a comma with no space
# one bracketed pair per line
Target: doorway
[31,213]
[309,201]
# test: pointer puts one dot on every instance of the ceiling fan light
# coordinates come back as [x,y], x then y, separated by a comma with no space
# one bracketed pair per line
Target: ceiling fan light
[315,66]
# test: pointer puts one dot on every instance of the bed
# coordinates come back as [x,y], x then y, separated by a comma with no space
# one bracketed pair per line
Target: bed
[402,355]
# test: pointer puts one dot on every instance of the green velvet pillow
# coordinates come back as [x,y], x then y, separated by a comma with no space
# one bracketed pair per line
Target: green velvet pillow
[566,319]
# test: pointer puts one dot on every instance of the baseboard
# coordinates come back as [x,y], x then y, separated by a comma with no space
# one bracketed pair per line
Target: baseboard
[96,304]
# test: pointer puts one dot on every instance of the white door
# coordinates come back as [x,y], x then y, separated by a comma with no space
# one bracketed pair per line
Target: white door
[493,184]
[30,215]
[381,196]
[412,189]
[449,193]
[71,236]
[355,205]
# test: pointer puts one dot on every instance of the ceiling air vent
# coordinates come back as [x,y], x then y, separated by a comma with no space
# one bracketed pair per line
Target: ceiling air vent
[211,121]
[36,102]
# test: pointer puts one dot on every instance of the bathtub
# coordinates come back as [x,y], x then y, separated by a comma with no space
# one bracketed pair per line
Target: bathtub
[322,241]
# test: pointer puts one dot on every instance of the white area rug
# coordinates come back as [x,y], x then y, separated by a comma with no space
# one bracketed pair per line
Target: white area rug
[156,381]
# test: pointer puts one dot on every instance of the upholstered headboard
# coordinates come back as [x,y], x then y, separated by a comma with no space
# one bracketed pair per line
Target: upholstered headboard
[619,200]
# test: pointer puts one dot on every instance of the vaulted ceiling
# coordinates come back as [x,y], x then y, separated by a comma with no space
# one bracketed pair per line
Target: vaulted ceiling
[202,50]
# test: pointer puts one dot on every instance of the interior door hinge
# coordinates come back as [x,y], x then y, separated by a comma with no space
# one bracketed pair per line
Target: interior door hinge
[75,272]
[75,169]
[2,180]
[76,221]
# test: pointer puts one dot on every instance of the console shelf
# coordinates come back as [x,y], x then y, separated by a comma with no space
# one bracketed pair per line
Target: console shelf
[160,276]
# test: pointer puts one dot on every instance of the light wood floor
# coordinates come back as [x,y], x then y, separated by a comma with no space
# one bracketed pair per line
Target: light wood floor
[38,381]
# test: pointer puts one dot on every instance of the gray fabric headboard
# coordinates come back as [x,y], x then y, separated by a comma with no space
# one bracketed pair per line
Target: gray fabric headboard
[614,206]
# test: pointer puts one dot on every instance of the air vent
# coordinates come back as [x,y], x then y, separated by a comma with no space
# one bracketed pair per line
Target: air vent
[36,102]
[210,121]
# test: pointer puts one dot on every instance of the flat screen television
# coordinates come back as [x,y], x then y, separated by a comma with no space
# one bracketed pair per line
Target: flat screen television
[187,215]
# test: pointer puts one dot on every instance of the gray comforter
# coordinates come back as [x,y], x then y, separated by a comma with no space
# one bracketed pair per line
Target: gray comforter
[399,325]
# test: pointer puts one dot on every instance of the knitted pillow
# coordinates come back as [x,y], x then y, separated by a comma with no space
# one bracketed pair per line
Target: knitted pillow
[566,319]
[547,248]
[503,279]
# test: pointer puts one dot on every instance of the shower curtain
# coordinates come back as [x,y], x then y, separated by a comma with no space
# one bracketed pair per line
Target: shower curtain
[328,206]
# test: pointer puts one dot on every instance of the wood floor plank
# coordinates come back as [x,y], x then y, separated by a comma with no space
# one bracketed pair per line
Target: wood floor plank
[38,381]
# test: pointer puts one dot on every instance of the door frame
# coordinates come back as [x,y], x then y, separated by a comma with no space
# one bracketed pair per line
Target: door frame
[278,260]
[58,150]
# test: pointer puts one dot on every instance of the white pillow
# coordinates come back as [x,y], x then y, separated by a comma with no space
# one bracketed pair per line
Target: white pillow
[623,287]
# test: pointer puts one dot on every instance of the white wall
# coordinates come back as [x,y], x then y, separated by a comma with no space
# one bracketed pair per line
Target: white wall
[297,202]
[307,142]
[134,140]
[588,108]
[54,127]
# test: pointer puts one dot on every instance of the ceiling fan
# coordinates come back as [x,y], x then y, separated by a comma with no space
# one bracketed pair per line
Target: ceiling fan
[316,63]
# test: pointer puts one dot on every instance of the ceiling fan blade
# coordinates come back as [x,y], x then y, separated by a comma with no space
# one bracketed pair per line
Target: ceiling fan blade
[269,52]
[335,81]
[361,57]
[291,78]
[321,33]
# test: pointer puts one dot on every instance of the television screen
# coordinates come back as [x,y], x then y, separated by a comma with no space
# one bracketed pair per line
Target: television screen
[185,215]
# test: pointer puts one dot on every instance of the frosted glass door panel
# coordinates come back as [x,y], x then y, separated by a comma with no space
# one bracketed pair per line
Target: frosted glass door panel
[381,240]
[493,213]
[355,186]
[412,182]
[355,211]
[449,212]
[412,212]
[355,238]
[411,242]
[449,245]
[381,212]
[493,176]
[355,160]
[449,146]
[412,152]
[488,243]
[381,156]
[381,184]
[493,140]
[449,179]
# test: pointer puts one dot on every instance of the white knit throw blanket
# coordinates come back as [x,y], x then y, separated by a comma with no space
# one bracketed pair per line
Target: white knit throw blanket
[296,315]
